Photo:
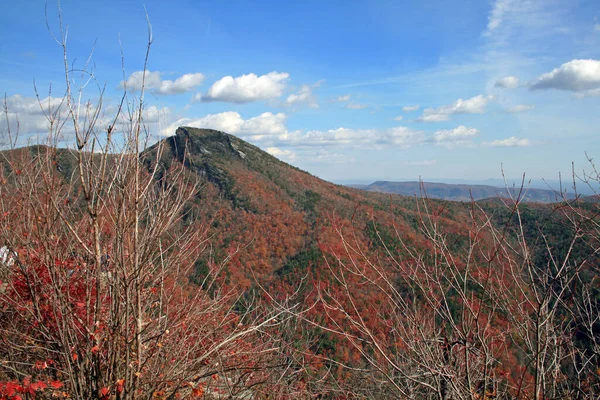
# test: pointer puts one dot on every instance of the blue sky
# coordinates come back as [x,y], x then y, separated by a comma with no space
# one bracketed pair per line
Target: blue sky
[347,90]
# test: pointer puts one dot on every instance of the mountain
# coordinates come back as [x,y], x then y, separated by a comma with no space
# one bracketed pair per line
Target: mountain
[277,213]
[267,212]
[392,286]
[461,192]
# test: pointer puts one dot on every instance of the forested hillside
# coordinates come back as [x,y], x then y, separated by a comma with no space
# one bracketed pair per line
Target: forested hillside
[203,266]
[143,256]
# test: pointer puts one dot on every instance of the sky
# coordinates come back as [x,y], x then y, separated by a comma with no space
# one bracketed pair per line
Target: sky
[351,90]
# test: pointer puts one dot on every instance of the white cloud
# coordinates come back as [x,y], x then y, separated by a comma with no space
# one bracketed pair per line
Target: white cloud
[152,81]
[264,124]
[398,118]
[506,15]
[32,117]
[508,82]
[587,93]
[520,108]
[433,117]
[19,104]
[575,76]
[411,108]
[353,138]
[457,135]
[27,114]
[342,99]
[497,15]
[183,84]
[305,96]
[509,142]
[325,156]
[340,136]
[258,128]
[356,106]
[246,88]
[282,154]
[474,105]
[403,137]
[154,114]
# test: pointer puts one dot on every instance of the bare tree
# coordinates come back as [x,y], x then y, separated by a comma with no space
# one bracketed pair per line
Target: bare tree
[506,308]
[98,303]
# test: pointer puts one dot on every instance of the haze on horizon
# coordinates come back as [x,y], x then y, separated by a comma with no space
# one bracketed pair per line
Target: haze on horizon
[361,91]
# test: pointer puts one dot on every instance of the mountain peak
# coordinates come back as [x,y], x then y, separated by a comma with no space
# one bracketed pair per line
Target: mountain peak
[206,142]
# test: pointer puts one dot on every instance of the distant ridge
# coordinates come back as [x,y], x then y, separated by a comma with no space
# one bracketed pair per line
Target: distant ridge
[461,192]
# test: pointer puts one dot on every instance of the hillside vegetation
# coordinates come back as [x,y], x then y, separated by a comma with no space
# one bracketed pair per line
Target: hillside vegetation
[203,266]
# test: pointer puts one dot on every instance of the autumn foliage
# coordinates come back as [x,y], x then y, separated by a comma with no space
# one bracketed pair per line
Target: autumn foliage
[200,266]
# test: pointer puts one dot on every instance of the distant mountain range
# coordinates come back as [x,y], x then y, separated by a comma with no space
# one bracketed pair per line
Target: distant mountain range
[462,192]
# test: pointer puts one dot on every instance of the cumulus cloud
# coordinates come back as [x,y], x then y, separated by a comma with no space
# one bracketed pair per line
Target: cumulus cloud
[31,116]
[19,104]
[411,108]
[154,114]
[28,114]
[509,142]
[508,82]
[257,128]
[474,105]
[458,135]
[283,154]
[304,96]
[520,108]
[246,88]
[575,76]
[402,137]
[336,137]
[183,84]
[318,155]
[153,81]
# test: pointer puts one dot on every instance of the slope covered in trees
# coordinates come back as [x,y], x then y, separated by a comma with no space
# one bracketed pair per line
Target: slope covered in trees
[206,267]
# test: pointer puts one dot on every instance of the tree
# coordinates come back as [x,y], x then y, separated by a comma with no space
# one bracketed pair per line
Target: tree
[98,303]
[506,308]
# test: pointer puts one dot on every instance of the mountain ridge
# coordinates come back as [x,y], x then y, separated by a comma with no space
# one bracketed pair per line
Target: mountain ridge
[463,192]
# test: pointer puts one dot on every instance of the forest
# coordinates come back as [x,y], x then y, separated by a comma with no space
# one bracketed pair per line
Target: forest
[200,266]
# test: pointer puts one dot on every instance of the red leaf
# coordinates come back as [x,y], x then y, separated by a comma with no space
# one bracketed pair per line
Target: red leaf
[11,388]
[104,391]
[39,385]
[56,384]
